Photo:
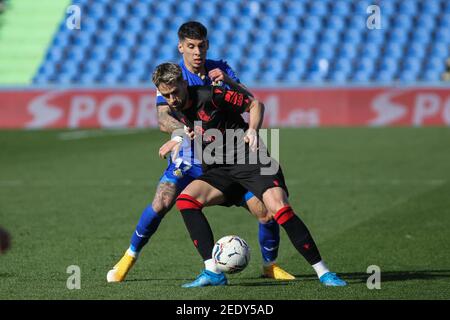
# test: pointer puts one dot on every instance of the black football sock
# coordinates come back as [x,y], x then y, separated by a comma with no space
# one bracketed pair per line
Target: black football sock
[196,224]
[298,234]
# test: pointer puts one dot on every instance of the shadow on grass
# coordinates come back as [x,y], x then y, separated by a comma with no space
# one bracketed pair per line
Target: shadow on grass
[232,281]
[352,277]
[387,276]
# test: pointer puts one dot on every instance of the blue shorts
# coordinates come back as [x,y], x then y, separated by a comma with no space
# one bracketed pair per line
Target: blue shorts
[181,175]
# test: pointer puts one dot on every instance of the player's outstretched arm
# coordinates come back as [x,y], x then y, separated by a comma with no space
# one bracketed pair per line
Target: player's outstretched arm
[166,122]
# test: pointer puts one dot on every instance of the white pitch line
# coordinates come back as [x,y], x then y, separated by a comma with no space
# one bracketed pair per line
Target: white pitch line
[85,134]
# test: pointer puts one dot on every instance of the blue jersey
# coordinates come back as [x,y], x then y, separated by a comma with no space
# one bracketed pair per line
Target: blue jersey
[186,151]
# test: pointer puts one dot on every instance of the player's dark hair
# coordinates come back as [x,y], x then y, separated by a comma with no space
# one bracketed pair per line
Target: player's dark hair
[192,30]
[167,73]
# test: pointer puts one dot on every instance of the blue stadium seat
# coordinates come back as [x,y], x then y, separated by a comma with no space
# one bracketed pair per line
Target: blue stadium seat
[295,8]
[229,9]
[214,51]
[401,21]
[283,37]
[335,23]
[442,35]
[291,23]
[341,8]
[162,9]
[110,24]
[422,36]
[238,37]
[384,76]
[140,10]
[338,77]
[398,35]
[347,50]
[393,50]
[352,36]
[250,9]
[302,51]
[329,36]
[269,77]
[342,65]
[415,50]
[272,8]
[244,25]
[117,9]
[436,64]
[388,65]
[206,9]
[307,36]
[430,7]
[292,77]
[412,64]
[440,50]
[431,75]
[317,8]
[316,76]
[365,65]
[408,76]
[360,7]
[313,23]
[408,8]
[185,9]
[387,7]
[297,65]
[360,77]
[325,51]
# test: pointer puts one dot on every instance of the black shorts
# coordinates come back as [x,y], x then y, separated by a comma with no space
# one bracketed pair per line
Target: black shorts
[234,180]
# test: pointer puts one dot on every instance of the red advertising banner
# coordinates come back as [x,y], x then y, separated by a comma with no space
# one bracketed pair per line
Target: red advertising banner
[309,107]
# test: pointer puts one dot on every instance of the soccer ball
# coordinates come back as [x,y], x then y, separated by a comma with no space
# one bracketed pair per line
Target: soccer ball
[231,254]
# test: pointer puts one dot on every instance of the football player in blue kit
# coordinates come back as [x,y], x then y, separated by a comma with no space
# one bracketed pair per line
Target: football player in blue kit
[183,168]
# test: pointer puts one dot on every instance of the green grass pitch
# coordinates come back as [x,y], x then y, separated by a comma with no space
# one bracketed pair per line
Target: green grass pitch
[370,196]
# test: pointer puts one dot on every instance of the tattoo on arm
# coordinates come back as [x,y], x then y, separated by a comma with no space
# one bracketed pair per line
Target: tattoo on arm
[166,122]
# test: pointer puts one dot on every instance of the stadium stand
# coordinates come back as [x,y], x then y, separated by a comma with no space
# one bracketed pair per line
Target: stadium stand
[266,42]
[26,28]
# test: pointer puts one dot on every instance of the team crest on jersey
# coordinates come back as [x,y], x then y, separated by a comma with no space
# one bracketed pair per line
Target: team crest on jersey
[203,115]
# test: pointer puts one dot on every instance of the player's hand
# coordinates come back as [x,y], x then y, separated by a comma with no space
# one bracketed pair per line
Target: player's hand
[168,147]
[5,241]
[217,75]
[189,132]
[251,137]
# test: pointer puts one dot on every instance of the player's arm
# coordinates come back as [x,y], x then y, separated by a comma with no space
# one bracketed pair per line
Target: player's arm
[256,111]
[232,81]
[167,123]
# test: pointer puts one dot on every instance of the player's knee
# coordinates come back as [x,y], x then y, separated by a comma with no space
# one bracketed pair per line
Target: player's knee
[161,206]
[265,219]
[275,199]
[284,214]
[187,202]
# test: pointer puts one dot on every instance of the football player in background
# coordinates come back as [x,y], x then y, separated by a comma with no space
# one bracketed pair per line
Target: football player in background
[5,240]
[183,169]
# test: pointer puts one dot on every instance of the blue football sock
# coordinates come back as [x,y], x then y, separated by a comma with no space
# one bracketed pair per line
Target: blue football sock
[146,227]
[269,240]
